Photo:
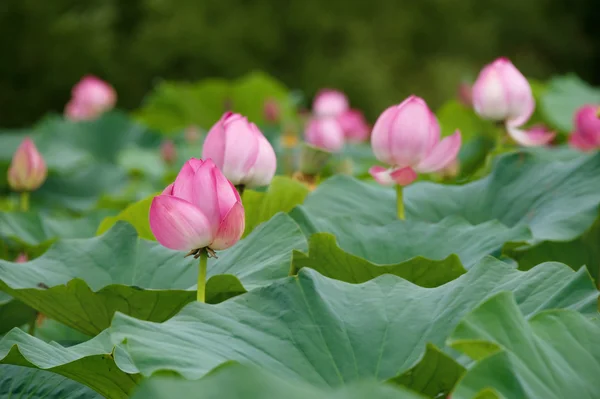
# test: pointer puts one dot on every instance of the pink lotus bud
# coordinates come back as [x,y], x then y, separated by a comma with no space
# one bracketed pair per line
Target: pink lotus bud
[241,151]
[537,135]
[325,133]
[329,102]
[501,93]
[407,137]
[465,94]
[168,152]
[22,258]
[200,209]
[354,125]
[587,129]
[271,110]
[90,98]
[27,170]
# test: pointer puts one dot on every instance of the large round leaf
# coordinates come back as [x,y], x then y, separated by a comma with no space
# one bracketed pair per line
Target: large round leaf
[21,382]
[328,332]
[135,214]
[90,363]
[558,200]
[553,355]
[82,282]
[242,382]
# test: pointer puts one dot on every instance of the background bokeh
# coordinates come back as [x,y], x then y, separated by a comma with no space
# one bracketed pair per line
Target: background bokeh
[378,51]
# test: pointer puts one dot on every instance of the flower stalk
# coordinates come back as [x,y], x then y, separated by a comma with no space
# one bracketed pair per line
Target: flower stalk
[400,202]
[24,201]
[201,296]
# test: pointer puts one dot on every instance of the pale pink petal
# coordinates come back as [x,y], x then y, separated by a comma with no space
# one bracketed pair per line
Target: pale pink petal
[354,125]
[330,103]
[204,193]
[325,133]
[404,176]
[168,190]
[179,225]
[264,168]
[214,143]
[94,94]
[442,155]
[391,177]
[521,109]
[531,138]
[183,187]
[581,142]
[521,101]
[227,195]
[380,136]
[231,228]
[489,95]
[413,130]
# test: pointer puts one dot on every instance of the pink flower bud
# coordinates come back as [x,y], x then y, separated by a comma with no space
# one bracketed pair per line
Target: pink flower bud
[329,102]
[27,170]
[200,209]
[271,110]
[168,152]
[22,258]
[537,135]
[354,125]
[502,93]
[241,151]
[90,98]
[325,133]
[407,137]
[587,129]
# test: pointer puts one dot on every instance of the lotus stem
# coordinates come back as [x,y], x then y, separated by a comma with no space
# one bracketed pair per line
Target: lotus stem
[24,201]
[202,276]
[400,202]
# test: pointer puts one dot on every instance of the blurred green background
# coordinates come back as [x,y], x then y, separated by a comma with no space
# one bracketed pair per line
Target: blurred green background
[378,51]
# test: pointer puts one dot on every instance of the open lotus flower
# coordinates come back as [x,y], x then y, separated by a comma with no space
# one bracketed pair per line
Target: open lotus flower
[90,97]
[325,133]
[201,209]
[502,93]
[354,125]
[330,103]
[587,129]
[241,151]
[27,171]
[407,137]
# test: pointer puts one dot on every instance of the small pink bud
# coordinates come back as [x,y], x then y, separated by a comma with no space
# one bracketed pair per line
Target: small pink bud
[329,102]
[22,258]
[354,125]
[27,170]
[407,137]
[201,209]
[465,94]
[502,93]
[587,129]
[241,151]
[325,133]
[90,98]
[168,152]
[271,111]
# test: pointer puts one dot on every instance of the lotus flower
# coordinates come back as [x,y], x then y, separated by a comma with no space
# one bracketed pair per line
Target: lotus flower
[325,133]
[27,170]
[587,129]
[201,209]
[354,125]
[502,93]
[330,103]
[22,258]
[241,151]
[407,137]
[90,98]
